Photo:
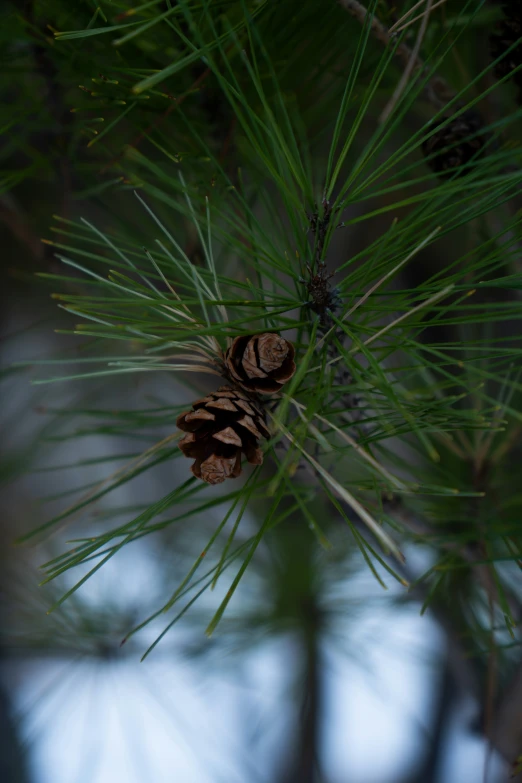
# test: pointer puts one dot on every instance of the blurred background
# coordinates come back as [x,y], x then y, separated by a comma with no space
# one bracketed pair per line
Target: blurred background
[316,674]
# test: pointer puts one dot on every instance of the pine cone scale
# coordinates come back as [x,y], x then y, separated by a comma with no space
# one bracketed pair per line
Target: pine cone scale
[216,469]
[271,353]
[248,423]
[254,455]
[223,405]
[251,369]
[286,371]
[186,443]
[200,415]
[243,404]
[228,436]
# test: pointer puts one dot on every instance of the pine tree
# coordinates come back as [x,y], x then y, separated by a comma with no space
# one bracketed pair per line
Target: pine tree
[305,219]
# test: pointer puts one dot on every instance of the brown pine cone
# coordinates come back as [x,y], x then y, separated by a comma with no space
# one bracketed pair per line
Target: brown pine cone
[219,427]
[511,8]
[506,34]
[455,144]
[261,363]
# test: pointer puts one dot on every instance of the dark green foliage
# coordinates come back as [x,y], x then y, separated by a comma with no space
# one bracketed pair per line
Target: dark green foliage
[207,161]
[506,44]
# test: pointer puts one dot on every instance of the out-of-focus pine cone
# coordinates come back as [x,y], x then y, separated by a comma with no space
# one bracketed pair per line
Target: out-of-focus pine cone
[261,363]
[455,144]
[507,33]
[219,428]
[511,7]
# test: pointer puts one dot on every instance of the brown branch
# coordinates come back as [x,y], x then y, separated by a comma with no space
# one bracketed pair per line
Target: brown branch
[409,66]
[437,91]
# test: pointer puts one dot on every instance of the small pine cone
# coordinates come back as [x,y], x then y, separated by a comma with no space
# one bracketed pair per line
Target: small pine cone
[511,7]
[219,427]
[455,144]
[261,363]
[507,33]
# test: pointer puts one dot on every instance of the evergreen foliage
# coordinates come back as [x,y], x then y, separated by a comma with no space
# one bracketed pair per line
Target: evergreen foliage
[231,151]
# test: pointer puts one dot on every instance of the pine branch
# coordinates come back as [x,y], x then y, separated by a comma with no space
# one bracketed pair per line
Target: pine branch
[436,90]
[404,363]
[410,65]
[306,755]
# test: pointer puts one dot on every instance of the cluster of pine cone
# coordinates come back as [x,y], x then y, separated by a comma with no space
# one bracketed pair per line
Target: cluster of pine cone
[456,144]
[230,422]
[507,34]
[460,141]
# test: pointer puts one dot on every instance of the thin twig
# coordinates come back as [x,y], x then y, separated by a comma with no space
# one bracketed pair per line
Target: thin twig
[390,106]
[385,540]
[427,302]
[358,448]
[380,282]
[401,24]
[434,87]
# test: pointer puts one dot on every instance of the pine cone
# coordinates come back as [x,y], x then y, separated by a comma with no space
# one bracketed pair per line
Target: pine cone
[261,363]
[219,427]
[452,146]
[507,33]
[511,8]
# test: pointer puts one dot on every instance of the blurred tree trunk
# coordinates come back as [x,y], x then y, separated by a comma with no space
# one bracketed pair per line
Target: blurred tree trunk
[12,762]
[447,690]
[307,750]
[298,605]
